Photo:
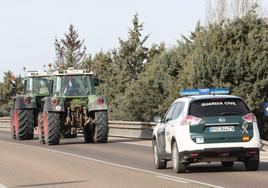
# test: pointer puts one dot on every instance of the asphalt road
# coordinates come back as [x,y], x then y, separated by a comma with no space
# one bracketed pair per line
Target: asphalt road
[119,163]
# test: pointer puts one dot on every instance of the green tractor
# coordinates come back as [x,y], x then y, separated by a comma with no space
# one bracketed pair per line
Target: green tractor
[74,107]
[26,106]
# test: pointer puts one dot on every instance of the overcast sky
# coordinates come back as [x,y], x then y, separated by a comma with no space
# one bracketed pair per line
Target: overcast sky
[29,27]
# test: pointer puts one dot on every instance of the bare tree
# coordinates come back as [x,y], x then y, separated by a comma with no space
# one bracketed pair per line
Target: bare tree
[218,10]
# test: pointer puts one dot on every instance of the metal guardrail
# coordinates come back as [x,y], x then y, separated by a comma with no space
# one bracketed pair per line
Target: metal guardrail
[127,129]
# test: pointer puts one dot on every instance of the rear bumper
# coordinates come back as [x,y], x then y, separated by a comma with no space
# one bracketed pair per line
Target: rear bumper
[220,154]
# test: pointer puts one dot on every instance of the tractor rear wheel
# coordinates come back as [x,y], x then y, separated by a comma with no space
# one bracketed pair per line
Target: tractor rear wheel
[41,128]
[101,128]
[24,124]
[12,124]
[51,128]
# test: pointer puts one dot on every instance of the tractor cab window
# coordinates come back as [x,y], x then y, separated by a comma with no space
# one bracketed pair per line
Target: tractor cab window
[41,85]
[28,85]
[76,85]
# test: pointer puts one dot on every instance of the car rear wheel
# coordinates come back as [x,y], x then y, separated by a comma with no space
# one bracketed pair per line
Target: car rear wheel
[178,166]
[227,164]
[252,165]
[158,162]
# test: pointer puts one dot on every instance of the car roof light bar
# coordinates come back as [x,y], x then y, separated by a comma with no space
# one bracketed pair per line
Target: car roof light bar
[206,91]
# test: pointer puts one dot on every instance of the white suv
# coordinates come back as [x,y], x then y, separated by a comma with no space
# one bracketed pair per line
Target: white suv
[207,128]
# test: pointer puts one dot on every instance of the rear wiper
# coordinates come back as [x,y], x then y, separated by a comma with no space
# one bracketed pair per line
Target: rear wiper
[228,113]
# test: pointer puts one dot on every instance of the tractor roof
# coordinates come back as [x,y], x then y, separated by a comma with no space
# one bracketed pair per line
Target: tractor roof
[72,72]
[37,74]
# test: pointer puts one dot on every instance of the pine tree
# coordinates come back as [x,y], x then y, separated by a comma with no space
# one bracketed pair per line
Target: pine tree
[70,51]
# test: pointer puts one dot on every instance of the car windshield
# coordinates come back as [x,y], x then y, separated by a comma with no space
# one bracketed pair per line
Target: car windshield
[77,85]
[218,107]
[41,85]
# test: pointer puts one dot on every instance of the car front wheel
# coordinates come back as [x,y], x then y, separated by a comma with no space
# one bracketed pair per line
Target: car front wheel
[158,162]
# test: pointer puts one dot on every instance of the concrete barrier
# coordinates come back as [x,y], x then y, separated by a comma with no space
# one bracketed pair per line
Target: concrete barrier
[127,129]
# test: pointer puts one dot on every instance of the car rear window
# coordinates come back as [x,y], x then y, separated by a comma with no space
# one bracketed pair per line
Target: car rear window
[218,107]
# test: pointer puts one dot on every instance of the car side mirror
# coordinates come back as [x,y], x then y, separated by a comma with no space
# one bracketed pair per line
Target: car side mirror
[157,119]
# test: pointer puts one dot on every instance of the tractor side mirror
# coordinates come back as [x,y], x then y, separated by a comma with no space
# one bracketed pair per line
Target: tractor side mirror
[13,88]
[96,81]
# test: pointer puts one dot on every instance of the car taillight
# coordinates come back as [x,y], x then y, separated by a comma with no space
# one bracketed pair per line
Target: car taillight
[191,120]
[249,118]
[54,102]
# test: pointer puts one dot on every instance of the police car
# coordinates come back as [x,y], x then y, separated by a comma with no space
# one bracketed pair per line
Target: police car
[207,125]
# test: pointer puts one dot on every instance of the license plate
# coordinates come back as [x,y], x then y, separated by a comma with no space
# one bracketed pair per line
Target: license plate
[222,129]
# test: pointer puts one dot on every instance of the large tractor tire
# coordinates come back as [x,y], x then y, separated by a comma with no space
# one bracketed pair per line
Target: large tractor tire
[51,128]
[101,128]
[41,128]
[12,124]
[24,124]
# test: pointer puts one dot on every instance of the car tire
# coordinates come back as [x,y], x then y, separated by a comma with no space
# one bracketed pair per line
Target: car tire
[178,166]
[252,165]
[227,164]
[158,162]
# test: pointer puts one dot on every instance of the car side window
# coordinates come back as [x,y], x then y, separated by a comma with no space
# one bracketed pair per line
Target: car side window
[169,113]
[177,111]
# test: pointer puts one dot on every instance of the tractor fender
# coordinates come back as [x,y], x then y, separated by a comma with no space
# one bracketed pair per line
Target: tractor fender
[97,102]
[20,103]
[49,107]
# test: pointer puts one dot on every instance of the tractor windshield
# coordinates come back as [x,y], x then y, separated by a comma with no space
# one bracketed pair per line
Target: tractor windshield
[76,85]
[41,85]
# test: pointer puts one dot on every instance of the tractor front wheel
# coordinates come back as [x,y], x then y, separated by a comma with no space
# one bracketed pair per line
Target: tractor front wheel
[51,128]
[101,128]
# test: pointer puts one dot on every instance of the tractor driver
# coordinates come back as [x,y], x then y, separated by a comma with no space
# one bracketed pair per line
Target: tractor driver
[71,87]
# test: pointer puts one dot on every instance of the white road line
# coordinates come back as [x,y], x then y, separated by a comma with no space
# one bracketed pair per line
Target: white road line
[3,186]
[130,143]
[172,179]
[115,164]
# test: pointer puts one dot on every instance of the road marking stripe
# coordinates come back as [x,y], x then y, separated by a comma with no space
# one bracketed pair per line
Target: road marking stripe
[130,143]
[3,186]
[172,179]
[115,164]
